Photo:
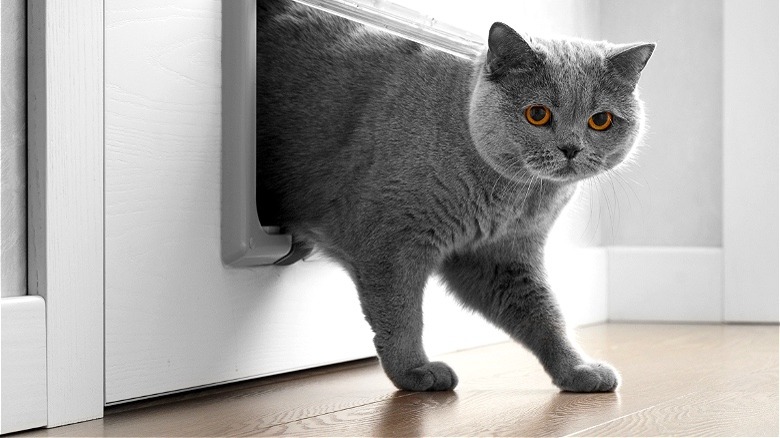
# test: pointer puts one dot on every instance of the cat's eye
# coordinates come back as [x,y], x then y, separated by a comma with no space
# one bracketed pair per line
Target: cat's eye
[538,115]
[600,121]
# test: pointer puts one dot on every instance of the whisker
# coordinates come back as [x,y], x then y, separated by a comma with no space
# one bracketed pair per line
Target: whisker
[527,192]
[541,193]
[609,208]
[590,213]
[641,207]
[616,206]
[626,188]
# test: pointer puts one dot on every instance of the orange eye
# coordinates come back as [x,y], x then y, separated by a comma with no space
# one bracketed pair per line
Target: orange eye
[538,115]
[600,121]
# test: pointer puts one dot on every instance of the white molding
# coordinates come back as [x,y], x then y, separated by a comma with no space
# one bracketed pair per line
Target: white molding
[750,161]
[13,159]
[23,363]
[65,199]
[679,284]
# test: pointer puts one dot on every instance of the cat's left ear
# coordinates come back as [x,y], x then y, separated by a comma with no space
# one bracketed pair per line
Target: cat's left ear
[628,61]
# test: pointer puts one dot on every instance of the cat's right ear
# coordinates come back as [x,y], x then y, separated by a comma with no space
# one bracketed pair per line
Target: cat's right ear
[506,49]
[627,61]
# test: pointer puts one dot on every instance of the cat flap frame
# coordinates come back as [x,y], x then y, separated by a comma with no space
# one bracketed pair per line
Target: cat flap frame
[245,242]
[406,23]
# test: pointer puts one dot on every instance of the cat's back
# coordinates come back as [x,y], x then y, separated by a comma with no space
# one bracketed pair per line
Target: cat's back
[310,61]
[327,88]
[285,26]
[294,22]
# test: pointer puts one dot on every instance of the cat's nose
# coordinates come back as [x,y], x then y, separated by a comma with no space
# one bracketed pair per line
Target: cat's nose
[570,150]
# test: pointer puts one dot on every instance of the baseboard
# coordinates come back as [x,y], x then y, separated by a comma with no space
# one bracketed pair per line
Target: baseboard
[23,364]
[666,284]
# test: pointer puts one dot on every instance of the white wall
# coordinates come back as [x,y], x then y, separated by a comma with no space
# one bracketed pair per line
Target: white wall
[671,196]
[664,209]
[13,153]
[704,200]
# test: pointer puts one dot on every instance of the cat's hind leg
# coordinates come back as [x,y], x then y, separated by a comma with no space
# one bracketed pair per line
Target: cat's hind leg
[391,299]
[505,282]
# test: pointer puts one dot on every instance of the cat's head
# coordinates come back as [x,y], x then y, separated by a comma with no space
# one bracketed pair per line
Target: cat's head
[560,110]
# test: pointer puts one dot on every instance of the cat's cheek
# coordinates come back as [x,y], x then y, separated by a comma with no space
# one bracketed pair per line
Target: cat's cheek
[619,156]
[615,159]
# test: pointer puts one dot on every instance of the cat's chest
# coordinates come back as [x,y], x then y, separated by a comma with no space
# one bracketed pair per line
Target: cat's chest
[531,212]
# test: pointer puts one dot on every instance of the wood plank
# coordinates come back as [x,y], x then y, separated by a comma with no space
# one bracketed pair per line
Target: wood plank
[65,199]
[685,371]
[700,414]
[244,407]
[658,363]
[491,394]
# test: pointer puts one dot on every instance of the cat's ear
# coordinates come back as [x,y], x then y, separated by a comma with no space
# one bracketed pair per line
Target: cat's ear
[506,49]
[627,62]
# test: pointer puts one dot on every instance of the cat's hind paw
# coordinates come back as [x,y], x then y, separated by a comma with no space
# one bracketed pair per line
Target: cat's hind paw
[433,376]
[589,377]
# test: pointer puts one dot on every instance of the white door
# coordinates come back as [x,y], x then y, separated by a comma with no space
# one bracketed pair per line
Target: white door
[175,317]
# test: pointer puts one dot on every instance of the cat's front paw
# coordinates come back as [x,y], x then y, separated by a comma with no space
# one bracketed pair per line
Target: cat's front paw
[433,376]
[589,377]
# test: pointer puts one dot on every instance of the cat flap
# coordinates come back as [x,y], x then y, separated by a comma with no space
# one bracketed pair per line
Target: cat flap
[506,49]
[627,61]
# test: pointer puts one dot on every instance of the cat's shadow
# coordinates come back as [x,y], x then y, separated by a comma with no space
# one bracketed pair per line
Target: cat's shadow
[436,413]
[407,413]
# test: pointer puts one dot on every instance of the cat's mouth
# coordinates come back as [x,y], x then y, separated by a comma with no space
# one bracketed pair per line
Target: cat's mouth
[568,171]
[563,170]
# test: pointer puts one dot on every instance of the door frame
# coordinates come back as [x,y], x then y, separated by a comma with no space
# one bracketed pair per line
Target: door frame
[65,199]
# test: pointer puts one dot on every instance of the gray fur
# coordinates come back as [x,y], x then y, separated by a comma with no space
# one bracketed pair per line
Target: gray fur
[400,161]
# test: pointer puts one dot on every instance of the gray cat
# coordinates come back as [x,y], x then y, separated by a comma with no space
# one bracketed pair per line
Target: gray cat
[400,161]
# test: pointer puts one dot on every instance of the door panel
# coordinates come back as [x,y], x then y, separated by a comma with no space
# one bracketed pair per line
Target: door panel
[175,317]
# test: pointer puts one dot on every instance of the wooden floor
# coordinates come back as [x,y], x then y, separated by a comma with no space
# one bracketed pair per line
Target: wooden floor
[713,380]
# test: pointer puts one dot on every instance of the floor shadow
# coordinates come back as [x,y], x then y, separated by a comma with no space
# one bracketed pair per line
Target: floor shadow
[406,413]
[481,412]
[566,413]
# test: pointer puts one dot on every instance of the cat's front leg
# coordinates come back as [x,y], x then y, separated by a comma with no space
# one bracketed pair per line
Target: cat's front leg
[391,298]
[505,282]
